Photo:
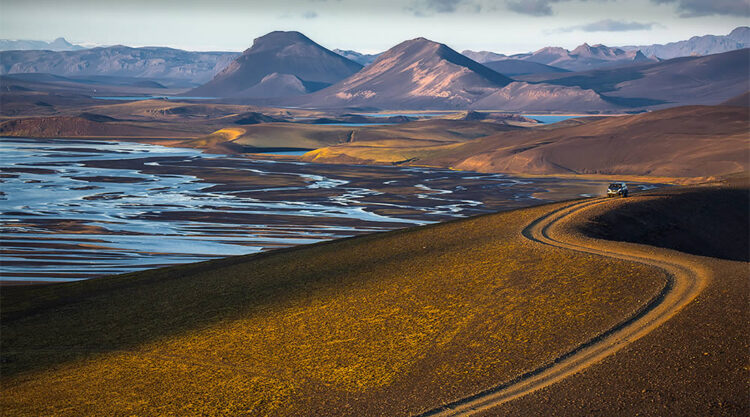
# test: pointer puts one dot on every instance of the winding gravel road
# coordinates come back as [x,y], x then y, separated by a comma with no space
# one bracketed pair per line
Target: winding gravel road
[686,280]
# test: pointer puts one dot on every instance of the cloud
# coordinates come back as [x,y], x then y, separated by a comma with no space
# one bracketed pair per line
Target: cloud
[305,15]
[609,25]
[694,8]
[532,7]
[541,7]
[423,8]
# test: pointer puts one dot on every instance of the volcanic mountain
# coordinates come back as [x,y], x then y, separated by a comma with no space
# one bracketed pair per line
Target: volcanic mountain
[417,73]
[286,61]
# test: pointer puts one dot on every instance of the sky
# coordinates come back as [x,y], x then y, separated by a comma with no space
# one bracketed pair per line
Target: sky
[504,26]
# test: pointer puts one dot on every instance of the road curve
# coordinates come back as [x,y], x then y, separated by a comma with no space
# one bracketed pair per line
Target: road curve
[686,279]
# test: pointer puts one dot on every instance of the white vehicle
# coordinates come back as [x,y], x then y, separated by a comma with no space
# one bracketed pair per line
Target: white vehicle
[617,188]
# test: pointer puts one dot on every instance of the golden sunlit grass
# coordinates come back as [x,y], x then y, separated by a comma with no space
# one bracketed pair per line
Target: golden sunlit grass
[390,324]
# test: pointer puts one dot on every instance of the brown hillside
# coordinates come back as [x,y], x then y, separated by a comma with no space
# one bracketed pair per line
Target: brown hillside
[694,141]
[85,125]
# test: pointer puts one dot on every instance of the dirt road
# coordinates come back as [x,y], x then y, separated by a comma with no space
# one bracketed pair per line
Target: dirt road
[687,279]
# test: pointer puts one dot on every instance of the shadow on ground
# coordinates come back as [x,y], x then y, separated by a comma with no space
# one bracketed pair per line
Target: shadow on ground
[708,222]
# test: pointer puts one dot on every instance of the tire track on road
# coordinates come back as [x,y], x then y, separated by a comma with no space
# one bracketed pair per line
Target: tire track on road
[686,279]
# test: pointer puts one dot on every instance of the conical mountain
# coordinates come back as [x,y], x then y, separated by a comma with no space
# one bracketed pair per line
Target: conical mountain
[418,73]
[281,53]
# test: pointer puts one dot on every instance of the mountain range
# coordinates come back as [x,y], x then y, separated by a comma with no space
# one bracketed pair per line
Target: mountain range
[707,79]
[423,74]
[289,69]
[698,45]
[163,64]
[279,64]
[582,58]
[590,57]
[59,44]
[416,73]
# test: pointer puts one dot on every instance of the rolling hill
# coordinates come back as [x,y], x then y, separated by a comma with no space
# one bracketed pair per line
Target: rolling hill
[294,63]
[682,142]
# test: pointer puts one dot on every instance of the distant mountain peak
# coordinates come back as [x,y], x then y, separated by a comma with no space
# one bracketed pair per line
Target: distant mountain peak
[291,55]
[697,45]
[740,34]
[483,56]
[362,59]
[279,40]
[59,44]
[413,74]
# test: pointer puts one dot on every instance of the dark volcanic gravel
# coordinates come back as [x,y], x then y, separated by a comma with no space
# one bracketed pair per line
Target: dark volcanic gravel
[697,364]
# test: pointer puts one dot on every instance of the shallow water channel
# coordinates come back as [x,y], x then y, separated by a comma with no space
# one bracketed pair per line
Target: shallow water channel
[75,209]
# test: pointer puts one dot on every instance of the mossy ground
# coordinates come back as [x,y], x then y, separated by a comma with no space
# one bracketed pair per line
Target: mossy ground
[385,324]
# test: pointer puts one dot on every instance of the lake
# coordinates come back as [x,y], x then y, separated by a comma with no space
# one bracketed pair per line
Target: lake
[75,209]
[550,118]
[135,98]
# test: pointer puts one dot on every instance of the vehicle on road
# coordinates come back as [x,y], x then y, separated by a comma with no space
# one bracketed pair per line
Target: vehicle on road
[617,188]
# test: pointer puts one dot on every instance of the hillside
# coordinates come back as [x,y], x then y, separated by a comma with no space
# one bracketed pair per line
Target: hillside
[520,96]
[683,142]
[694,364]
[416,73]
[421,74]
[511,67]
[356,327]
[312,136]
[692,80]
[88,125]
[296,64]
[349,315]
